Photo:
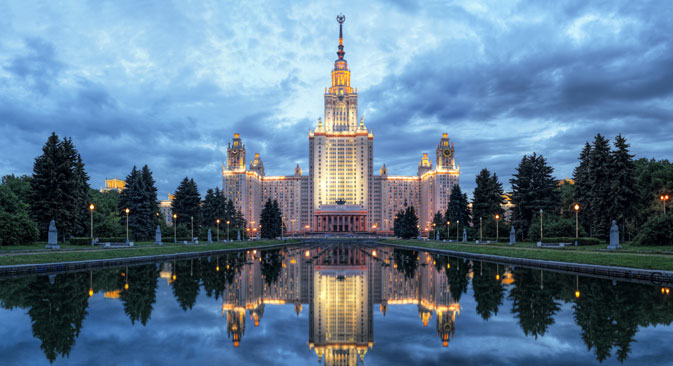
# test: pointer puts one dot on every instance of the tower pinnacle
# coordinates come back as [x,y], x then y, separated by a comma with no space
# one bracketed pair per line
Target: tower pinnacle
[341,19]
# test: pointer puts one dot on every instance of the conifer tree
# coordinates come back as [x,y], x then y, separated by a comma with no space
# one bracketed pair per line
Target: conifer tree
[598,196]
[59,188]
[487,196]
[533,188]
[458,209]
[187,203]
[209,209]
[151,199]
[623,188]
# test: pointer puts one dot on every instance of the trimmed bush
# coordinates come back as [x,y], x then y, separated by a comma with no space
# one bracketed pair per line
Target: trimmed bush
[658,230]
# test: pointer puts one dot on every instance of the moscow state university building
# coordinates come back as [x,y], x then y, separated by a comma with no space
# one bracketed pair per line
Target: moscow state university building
[340,193]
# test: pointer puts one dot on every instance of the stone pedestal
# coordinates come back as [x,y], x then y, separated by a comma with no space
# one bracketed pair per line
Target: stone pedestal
[210,236]
[52,237]
[464,236]
[238,235]
[512,236]
[157,236]
[614,236]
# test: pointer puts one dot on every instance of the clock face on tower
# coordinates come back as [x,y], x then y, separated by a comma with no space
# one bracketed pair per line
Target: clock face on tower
[447,153]
[234,152]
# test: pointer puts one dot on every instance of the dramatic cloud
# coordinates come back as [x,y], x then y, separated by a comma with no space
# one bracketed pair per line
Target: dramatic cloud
[167,84]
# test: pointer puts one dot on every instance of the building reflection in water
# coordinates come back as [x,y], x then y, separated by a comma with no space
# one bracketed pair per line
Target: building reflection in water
[340,285]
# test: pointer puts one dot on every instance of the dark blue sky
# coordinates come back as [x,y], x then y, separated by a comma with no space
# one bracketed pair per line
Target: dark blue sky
[167,84]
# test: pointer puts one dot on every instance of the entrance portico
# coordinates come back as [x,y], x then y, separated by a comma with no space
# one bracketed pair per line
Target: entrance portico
[341,218]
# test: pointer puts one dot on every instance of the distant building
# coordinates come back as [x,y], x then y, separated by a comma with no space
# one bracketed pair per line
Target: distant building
[166,208]
[340,193]
[113,185]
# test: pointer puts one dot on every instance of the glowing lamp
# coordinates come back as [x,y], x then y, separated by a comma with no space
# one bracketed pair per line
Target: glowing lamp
[126,286]
[91,292]
[174,277]
[448,265]
[374,253]
[92,207]
[307,254]
[497,277]
[577,294]
[217,268]
[127,211]
[577,207]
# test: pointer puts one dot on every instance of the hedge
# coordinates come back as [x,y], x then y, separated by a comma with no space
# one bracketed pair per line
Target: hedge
[87,241]
[569,239]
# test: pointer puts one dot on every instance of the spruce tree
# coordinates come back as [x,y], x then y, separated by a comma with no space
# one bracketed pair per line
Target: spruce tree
[623,188]
[187,204]
[209,209]
[458,209]
[599,197]
[59,189]
[533,189]
[266,220]
[151,200]
[488,196]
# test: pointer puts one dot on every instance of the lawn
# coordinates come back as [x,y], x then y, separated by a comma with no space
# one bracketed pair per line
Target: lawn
[660,258]
[30,255]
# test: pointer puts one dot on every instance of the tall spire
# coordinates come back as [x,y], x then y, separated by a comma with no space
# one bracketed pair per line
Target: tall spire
[341,19]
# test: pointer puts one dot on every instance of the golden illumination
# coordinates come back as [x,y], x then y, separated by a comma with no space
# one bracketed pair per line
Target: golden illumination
[92,207]
[374,253]
[127,211]
[497,217]
[90,292]
[577,294]
[126,286]
[218,221]
[217,268]
[174,277]
[577,207]
[448,265]
[307,254]
[175,216]
[497,277]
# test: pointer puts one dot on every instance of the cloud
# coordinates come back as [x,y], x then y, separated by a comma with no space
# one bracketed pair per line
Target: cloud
[168,84]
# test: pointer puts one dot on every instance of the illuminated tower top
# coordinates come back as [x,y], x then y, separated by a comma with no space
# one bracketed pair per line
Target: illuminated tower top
[341,76]
[340,97]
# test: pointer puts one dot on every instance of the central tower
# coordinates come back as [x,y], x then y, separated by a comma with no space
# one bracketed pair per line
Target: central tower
[340,156]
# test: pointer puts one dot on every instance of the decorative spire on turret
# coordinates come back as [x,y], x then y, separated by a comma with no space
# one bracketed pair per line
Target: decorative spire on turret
[341,19]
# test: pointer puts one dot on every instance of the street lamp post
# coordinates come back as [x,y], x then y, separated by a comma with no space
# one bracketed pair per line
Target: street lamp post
[481,238]
[457,228]
[448,223]
[227,230]
[175,228]
[577,227]
[664,198]
[127,224]
[540,225]
[497,233]
[91,208]
[218,230]
[192,218]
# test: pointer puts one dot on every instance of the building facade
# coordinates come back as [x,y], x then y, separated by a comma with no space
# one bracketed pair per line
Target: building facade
[340,193]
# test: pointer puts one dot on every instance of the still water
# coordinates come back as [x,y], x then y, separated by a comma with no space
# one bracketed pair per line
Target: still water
[344,305]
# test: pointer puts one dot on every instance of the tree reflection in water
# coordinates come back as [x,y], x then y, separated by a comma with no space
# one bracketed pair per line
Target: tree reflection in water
[609,314]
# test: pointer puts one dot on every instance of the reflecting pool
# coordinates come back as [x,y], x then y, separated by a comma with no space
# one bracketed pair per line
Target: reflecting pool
[332,305]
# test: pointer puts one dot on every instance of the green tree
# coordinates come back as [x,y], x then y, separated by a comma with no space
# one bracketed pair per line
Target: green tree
[272,265]
[405,225]
[581,177]
[16,226]
[458,209]
[533,189]
[59,186]
[623,189]
[271,220]
[187,203]
[488,196]
[209,210]
[599,198]
[106,217]
[142,214]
